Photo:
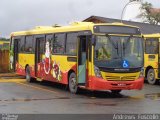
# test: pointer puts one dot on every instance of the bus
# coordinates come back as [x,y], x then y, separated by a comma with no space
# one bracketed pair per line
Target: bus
[4,45]
[97,57]
[152,57]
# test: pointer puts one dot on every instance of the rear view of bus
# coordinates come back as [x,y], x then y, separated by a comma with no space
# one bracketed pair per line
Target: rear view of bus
[117,58]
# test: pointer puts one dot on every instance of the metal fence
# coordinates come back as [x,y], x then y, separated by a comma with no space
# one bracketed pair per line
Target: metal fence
[4,61]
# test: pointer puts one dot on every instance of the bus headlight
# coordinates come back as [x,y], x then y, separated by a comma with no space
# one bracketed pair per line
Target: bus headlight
[141,73]
[97,72]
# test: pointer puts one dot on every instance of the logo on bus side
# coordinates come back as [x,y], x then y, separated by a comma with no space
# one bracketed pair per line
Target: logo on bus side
[47,60]
[54,68]
[56,72]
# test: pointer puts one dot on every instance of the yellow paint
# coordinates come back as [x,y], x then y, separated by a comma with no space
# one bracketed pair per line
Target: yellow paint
[120,76]
[34,87]
[11,80]
[152,62]
[23,82]
[25,59]
[2,42]
[76,26]
[61,60]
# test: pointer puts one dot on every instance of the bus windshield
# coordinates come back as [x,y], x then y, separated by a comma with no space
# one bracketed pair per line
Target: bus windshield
[118,51]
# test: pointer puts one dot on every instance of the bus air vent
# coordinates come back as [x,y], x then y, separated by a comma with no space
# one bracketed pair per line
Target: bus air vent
[119,78]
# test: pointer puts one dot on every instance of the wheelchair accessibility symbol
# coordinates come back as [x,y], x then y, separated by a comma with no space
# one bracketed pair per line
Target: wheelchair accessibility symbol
[125,64]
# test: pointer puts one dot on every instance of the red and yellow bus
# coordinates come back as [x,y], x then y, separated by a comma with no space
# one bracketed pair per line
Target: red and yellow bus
[82,55]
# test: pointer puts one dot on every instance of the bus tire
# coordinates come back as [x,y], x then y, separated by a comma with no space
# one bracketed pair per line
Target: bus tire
[28,74]
[151,77]
[116,91]
[73,88]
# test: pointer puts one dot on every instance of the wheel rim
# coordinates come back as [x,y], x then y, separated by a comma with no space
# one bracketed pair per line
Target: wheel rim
[27,74]
[73,83]
[151,76]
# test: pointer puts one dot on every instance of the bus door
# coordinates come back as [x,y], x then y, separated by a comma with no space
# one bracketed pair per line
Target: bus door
[15,52]
[39,50]
[82,60]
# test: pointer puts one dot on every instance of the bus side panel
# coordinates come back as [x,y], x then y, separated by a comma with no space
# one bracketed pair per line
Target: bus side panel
[151,60]
[24,60]
[56,68]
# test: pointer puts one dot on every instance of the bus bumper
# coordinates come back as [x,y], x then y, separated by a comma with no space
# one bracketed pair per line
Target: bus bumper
[101,84]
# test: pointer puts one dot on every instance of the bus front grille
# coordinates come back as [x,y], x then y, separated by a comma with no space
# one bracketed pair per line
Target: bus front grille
[117,78]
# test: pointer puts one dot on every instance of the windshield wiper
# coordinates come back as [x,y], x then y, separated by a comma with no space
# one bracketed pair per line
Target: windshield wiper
[125,45]
[113,44]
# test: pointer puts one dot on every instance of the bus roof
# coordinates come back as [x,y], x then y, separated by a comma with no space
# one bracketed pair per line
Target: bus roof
[155,35]
[75,26]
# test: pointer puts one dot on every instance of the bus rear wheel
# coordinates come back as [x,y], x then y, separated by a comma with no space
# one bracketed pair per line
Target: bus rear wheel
[28,74]
[116,91]
[151,77]
[73,88]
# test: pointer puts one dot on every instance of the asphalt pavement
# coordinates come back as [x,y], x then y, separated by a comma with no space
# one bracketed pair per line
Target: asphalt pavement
[19,97]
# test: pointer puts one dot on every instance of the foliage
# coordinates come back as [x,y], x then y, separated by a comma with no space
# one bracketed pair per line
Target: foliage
[4,39]
[150,14]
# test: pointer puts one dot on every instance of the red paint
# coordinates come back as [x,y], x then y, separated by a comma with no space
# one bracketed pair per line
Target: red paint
[101,84]
[92,83]
[74,68]
[19,69]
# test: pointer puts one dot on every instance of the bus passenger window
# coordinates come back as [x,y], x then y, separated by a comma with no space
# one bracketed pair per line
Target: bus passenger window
[42,45]
[151,46]
[49,38]
[29,44]
[22,44]
[71,44]
[59,44]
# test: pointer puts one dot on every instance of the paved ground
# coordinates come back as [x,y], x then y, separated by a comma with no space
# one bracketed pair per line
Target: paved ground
[18,96]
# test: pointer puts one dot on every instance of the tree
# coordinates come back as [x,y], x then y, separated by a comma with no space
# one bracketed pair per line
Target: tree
[3,39]
[150,14]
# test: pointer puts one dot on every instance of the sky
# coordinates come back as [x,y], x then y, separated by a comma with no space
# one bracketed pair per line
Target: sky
[18,15]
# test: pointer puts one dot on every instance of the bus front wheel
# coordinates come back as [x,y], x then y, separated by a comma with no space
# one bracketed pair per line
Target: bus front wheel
[28,74]
[151,77]
[73,88]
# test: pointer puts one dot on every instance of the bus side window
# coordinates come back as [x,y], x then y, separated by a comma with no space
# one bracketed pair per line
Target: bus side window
[29,44]
[59,44]
[71,44]
[151,46]
[42,45]
[22,44]
[49,38]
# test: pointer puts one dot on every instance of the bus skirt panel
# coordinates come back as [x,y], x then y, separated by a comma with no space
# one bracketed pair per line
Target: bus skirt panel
[101,84]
